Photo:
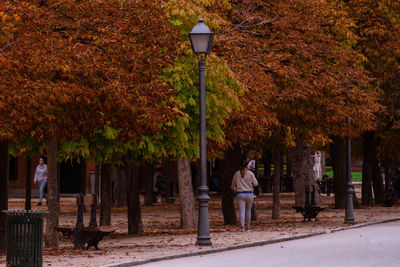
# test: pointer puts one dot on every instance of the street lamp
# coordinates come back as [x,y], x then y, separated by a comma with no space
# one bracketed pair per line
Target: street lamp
[201,39]
[349,190]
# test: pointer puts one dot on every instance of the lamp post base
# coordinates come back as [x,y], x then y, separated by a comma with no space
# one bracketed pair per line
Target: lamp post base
[206,241]
[349,209]
[349,222]
[203,234]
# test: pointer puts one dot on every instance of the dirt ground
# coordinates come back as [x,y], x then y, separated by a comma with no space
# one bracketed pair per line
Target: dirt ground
[163,237]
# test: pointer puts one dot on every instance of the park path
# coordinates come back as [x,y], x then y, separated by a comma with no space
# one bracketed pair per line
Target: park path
[376,245]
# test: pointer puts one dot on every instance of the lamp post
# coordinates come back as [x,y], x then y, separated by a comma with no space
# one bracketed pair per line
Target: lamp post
[349,191]
[201,39]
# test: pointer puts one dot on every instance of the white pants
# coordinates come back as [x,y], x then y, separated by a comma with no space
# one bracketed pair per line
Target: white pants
[245,201]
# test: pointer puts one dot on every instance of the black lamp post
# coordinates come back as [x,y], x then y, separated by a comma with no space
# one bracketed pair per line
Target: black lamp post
[201,39]
[349,191]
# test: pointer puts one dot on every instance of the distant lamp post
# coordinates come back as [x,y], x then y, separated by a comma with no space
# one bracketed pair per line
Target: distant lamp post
[201,39]
[349,190]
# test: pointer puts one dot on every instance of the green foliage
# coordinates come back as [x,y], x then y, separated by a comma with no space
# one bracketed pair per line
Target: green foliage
[222,97]
[26,147]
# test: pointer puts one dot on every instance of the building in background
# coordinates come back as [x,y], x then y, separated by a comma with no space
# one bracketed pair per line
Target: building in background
[70,176]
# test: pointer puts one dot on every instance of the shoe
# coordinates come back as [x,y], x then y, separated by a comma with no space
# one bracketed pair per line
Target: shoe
[249,231]
[39,204]
[243,230]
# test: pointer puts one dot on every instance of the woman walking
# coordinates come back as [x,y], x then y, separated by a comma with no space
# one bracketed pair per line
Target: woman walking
[41,178]
[242,184]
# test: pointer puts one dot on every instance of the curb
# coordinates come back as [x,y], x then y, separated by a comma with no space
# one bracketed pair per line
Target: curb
[247,245]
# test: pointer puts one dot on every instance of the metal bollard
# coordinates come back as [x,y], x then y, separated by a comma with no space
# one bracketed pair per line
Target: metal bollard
[24,238]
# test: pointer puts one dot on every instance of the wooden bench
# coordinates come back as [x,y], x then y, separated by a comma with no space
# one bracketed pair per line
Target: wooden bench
[309,210]
[81,235]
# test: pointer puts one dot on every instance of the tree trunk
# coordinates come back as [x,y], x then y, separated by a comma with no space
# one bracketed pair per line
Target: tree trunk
[118,187]
[168,173]
[58,181]
[356,205]
[371,171]
[105,204]
[135,224]
[288,169]
[394,166]
[97,179]
[283,185]
[52,195]
[83,177]
[323,163]
[186,199]
[267,168]
[387,171]
[276,208]
[366,190]
[303,174]
[257,170]
[3,194]
[338,156]
[229,166]
[147,173]
[377,180]
[267,165]
[254,214]
[267,172]
[28,186]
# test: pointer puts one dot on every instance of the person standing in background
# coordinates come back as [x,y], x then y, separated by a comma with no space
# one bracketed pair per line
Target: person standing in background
[41,178]
[242,184]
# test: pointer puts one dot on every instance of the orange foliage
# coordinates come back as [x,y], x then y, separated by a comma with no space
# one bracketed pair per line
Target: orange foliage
[72,67]
[297,74]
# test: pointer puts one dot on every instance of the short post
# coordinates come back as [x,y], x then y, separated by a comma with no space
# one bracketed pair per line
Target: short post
[78,232]
[80,203]
[93,205]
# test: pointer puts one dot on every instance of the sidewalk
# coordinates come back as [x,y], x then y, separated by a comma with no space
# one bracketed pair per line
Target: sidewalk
[163,238]
[374,245]
[245,245]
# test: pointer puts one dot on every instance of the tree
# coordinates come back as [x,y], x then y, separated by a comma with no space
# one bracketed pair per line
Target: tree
[371,170]
[232,159]
[79,67]
[276,209]
[147,174]
[4,193]
[105,202]
[53,198]
[297,69]
[8,124]
[377,24]
[135,224]
[298,73]
[338,156]
[186,198]
[118,186]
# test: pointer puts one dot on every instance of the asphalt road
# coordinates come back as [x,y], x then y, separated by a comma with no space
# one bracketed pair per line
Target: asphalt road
[377,245]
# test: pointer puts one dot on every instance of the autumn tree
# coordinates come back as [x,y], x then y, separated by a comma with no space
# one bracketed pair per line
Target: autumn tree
[8,125]
[297,74]
[79,67]
[377,25]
